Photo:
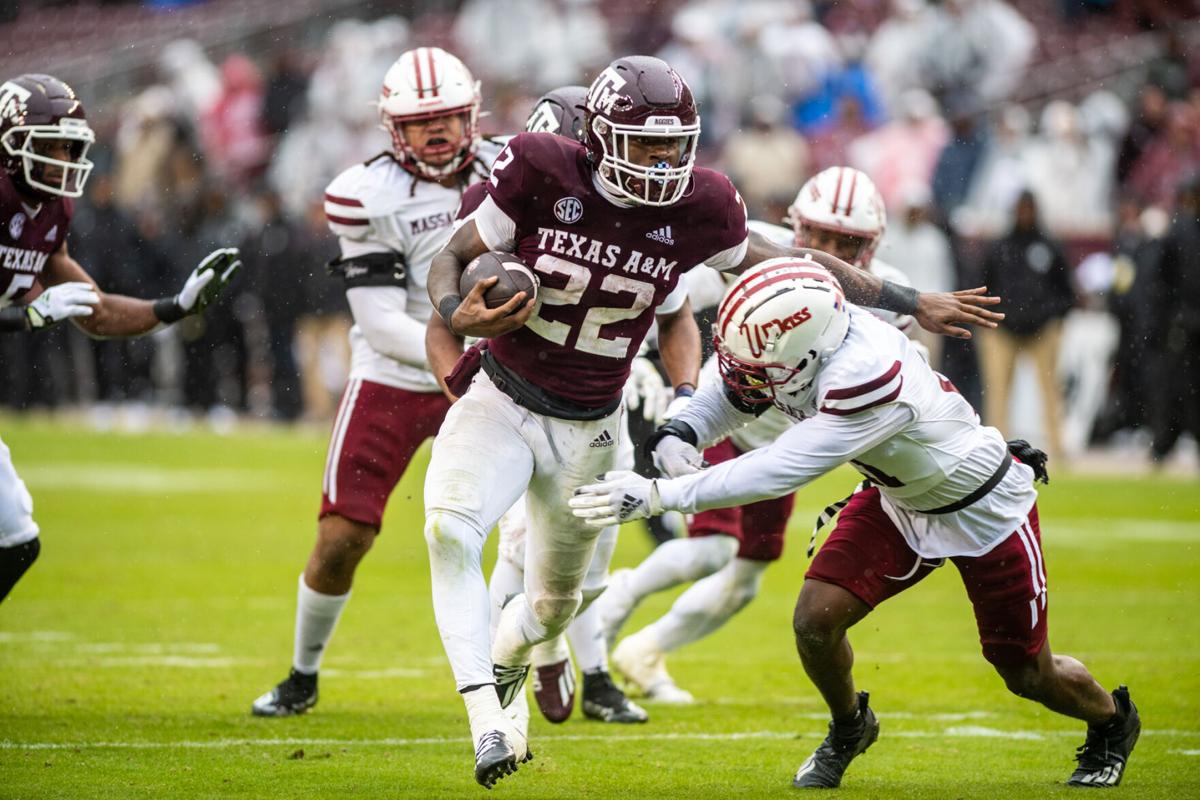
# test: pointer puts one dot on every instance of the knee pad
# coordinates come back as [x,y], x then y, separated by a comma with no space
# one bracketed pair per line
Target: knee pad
[451,536]
[554,611]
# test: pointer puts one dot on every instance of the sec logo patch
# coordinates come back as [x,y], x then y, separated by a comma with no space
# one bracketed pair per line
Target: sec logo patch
[16,225]
[568,210]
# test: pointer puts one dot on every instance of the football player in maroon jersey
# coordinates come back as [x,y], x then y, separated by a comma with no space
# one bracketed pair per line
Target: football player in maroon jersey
[608,226]
[44,139]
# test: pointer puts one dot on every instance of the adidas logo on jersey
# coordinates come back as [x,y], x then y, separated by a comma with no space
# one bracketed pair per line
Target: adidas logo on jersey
[662,235]
[603,440]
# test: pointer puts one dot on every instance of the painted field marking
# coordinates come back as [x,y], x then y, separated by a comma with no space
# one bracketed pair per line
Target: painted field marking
[216,744]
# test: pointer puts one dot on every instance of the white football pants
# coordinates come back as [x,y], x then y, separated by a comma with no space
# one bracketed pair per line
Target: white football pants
[16,505]
[487,453]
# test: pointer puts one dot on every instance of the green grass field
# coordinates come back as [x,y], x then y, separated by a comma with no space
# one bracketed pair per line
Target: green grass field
[163,604]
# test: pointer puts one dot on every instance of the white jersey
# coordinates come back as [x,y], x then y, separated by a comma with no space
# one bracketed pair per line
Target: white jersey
[773,422]
[379,207]
[875,404]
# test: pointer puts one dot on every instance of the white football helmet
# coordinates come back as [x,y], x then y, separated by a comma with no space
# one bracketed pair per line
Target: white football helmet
[423,84]
[776,325]
[842,201]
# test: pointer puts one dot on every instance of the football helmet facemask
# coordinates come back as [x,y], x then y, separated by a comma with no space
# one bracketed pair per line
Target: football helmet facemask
[425,84]
[639,104]
[44,136]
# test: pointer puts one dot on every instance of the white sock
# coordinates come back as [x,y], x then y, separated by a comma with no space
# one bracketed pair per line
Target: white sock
[587,640]
[679,561]
[316,616]
[483,711]
[708,605]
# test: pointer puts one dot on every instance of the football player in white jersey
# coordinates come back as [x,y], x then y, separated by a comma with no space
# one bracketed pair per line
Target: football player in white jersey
[727,550]
[391,214]
[941,486]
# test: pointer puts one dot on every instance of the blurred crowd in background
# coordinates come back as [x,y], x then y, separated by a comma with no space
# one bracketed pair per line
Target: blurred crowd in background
[1049,149]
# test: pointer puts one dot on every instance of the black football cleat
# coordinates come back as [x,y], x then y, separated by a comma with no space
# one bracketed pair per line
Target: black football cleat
[1103,756]
[603,701]
[495,758]
[509,681]
[825,767]
[554,690]
[295,694]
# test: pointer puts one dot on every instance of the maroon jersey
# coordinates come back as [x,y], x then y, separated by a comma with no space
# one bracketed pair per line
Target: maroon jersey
[26,241]
[603,268]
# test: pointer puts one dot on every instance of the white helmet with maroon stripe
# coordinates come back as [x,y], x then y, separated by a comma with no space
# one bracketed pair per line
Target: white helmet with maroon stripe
[424,84]
[776,325]
[845,202]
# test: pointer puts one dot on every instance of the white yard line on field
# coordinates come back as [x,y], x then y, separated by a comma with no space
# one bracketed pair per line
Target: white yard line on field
[216,744]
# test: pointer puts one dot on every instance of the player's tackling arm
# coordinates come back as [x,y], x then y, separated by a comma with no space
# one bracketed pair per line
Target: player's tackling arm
[116,315]
[938,312]
[470,316]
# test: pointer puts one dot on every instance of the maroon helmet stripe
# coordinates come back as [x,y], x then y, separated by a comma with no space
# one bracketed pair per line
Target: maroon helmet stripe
[783,273]
[850,197]
[864,388]
[432,72]
[346,220]
[837,191]
[889,397]
[342,201]
[417,69]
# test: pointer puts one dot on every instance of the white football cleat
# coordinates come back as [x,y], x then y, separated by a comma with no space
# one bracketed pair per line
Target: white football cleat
[614,606]
[644,665]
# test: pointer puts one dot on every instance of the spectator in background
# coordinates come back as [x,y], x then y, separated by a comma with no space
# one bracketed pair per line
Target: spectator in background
[919,249]
[1178,371]
[156,164]
[283,101]
[1027,268]
[894,52]
[192,79]
[1001,176]
[274,259]
[1173,152]
[831,146]
[766,159]
[1149,120]
[959,161]
[323,325]
[232,129]
[1071,174]
[977,46]
[903,152]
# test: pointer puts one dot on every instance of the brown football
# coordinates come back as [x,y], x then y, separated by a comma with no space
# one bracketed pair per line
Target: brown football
[513,274]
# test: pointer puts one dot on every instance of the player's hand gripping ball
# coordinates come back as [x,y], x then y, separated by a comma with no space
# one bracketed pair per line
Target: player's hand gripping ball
[513,277]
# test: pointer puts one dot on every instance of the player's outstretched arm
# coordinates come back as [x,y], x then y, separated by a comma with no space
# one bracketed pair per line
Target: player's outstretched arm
[470,316]
[117,316]
[938,312]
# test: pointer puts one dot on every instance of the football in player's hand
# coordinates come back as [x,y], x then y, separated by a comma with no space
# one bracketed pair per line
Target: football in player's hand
[513,276]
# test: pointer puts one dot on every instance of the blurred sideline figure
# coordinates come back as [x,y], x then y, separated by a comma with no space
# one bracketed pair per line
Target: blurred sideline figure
[44,141]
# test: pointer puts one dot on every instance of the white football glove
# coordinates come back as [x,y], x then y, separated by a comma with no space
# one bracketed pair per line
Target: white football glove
[61,301]
[619,496]
[208,280]
[674,457]
[646,386]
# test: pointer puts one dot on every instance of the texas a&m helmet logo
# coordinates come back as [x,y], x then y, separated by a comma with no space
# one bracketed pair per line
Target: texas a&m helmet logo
[605,92]
[568,210]
[12,102]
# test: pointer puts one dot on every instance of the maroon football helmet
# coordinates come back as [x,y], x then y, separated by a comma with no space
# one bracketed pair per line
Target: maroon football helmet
[559,111]
[641,98]
[38,115]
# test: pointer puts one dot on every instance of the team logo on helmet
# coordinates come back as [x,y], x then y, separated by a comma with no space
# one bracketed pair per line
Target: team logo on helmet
[12,101]
[605,92]
[569,210]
